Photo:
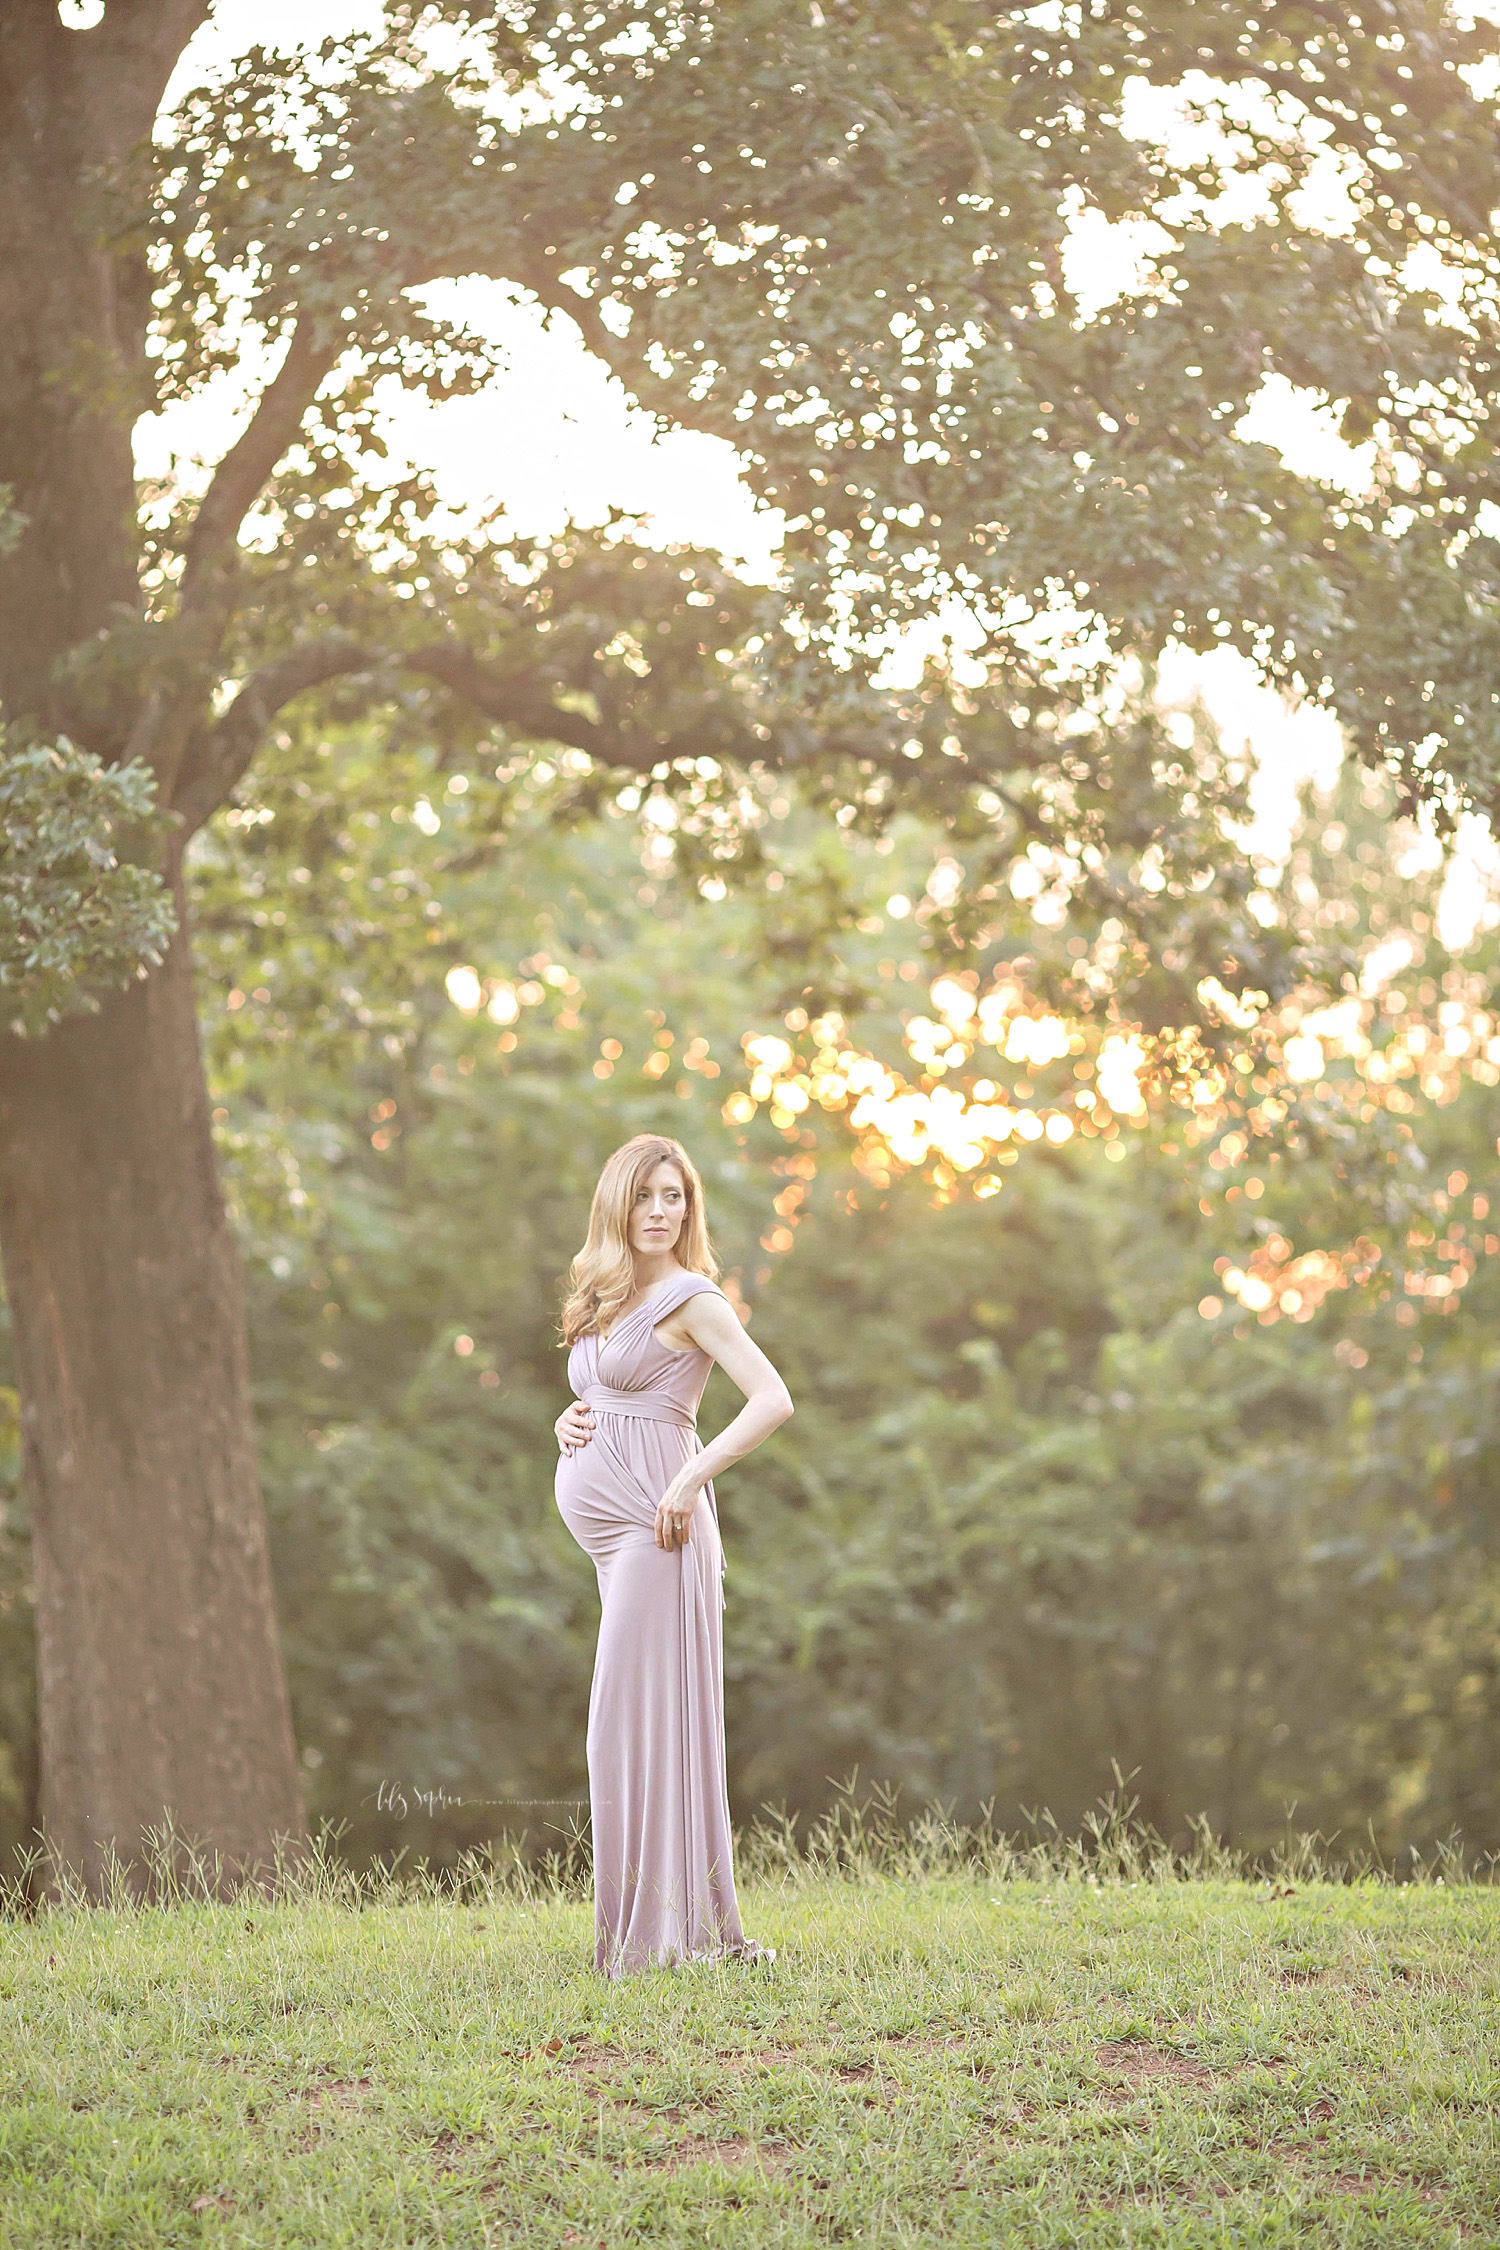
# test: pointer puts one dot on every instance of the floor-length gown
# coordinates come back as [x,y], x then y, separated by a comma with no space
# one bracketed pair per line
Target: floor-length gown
[663,1873]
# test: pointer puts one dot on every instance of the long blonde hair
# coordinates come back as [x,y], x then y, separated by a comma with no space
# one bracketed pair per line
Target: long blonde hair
[602,1276]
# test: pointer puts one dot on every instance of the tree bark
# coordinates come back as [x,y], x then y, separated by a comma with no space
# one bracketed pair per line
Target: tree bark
[161,1693]
[161,1696]
[72,324]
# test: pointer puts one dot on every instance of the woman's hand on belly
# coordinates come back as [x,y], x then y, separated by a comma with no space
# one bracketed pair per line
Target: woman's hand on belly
[675,1508]
[574,1427]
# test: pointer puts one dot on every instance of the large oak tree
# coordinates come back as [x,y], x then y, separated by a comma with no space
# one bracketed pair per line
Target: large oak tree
[834,234]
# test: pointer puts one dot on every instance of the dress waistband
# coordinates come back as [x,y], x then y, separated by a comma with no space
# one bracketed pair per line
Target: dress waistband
[642,1406]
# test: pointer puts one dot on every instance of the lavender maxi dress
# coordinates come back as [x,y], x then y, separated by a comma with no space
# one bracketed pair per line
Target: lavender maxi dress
[663,1874]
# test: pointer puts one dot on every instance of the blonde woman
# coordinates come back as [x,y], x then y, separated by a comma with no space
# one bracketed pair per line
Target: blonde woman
[645,1324]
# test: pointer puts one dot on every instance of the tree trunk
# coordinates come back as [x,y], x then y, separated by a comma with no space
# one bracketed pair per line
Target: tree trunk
[73,312]
[160,1689]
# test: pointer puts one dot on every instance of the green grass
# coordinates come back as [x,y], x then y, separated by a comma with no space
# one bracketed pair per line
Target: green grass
[941,2057]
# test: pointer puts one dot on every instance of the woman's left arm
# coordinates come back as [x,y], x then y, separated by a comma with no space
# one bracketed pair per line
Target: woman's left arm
[714,1327]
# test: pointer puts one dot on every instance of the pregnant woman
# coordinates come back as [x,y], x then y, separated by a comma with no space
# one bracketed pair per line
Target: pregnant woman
[645,1324]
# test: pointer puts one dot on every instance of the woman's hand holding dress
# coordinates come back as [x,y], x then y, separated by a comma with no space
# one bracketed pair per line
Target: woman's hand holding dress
[674,1510]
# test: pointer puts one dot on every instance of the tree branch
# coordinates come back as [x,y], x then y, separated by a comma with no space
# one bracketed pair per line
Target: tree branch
[517,702]
[169,732]
[245,467]
[226,750]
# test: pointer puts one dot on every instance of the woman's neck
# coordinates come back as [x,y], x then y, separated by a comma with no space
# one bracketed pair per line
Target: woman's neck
[652,1267]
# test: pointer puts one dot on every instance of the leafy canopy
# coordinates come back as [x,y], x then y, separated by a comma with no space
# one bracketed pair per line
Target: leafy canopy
[844,238]
[840,237]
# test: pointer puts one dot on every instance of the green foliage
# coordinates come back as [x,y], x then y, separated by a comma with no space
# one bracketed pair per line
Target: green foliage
[1033,1520]
[79,916]
[1036,1511]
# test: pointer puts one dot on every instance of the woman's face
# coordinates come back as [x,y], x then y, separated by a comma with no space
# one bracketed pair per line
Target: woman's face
[660,1208]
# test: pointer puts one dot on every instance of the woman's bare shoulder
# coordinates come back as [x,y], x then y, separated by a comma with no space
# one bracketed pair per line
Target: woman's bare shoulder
[683,1324]
[708,1317]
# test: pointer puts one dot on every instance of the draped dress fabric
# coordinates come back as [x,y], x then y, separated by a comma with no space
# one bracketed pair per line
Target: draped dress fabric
[663,1873]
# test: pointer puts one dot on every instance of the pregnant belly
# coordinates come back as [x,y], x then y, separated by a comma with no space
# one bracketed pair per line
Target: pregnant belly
[621,1472]
[609,1488]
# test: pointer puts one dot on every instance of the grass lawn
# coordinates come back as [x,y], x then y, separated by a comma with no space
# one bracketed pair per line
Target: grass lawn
[950,2060]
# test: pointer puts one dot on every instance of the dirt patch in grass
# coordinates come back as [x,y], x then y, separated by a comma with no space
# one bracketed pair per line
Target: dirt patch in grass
[923,2042]
[1418,1974]
[734,2059]
[598,2070]
[672,2139]
[1159,2196]
[1308,2162]
[848,2073]
[1350,1988]
[1014,2113]
[340,2093]
[455,2152]
[325,2097]
[584,2060]
[1135,2064]
[957,2047]
[658,2116]
[1364,1980]
[735,2149]
[1362,1985]
[994,2126]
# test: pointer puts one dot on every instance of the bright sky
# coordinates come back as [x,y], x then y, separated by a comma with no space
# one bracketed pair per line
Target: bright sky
[554,437]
